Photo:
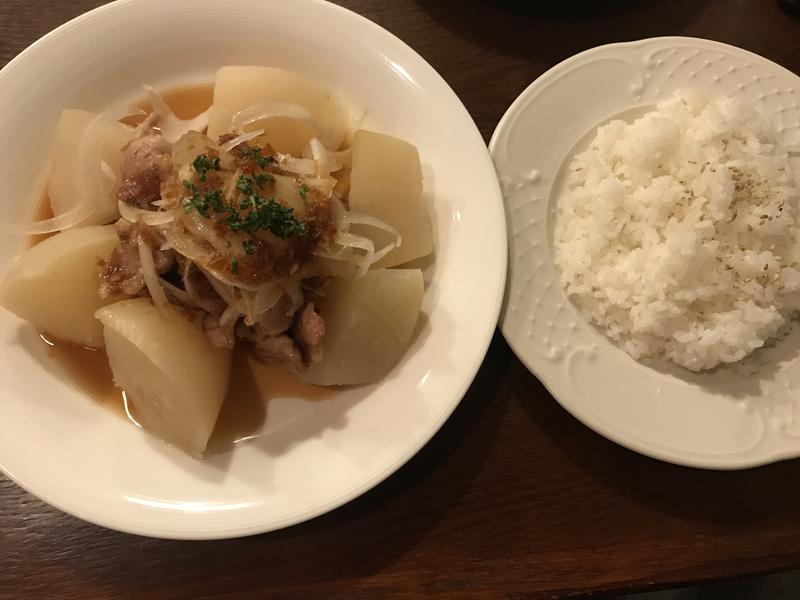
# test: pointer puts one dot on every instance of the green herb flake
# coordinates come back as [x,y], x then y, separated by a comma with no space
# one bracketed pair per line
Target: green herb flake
[202,164]
[250,247]
[255,154]
[251,213]
[214,199]
[245,185]
[303,191]
[234,221]
[195,201]
[262,179]
[280,220]
[234,265]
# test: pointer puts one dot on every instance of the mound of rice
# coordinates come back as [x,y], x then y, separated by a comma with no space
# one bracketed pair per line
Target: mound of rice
[676,234]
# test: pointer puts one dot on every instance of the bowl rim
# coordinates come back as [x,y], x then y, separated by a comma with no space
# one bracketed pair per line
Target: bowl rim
[112,521]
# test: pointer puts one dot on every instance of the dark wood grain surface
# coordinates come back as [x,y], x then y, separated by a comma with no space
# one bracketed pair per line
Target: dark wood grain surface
[513,498]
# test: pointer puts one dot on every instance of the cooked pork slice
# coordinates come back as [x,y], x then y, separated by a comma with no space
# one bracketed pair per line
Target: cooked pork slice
[308,330]
[122,274]
[146,163]
[280,351]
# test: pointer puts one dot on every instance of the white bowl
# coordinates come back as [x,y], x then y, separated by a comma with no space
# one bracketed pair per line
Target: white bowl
[313,457]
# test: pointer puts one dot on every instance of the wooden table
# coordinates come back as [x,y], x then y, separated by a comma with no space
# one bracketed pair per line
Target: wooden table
[513,498]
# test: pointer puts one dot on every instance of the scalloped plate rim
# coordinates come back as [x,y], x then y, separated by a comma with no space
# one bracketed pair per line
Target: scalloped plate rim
[681,458]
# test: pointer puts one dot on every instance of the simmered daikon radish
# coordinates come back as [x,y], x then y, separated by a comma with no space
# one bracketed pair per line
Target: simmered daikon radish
[174,377]
[83,144]
[54,284]
[288,107]
[369,323]
[386,182]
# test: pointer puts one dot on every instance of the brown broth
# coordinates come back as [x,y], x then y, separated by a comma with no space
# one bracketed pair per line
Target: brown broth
[186,101]
[244,409]
[89,369]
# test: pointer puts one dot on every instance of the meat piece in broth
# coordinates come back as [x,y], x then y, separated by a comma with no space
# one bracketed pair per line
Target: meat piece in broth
[298,348]
[146,164]
[122,274]
[309,329]
[280,351]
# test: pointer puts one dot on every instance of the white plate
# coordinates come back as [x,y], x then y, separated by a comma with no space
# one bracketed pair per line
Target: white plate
[62,447]
[718,420]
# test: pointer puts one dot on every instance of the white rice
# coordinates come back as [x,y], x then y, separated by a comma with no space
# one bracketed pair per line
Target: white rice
[676,233]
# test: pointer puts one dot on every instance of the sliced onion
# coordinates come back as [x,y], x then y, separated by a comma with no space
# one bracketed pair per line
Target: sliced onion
[180,295]
[343,219]
[241,139]
[72,217]
[357,218]
[223,336]
[383,252]
[230,281]
[227,287]
[370,257]
[327,161]
[106,169]
[229,191]
[322,184]
[148,217]
[351,240]
[270,110]
[299,166]
[266,298]
[205,230]
[194,295]
[248,301]
[229,317]
[338,210]
[171,126]
[187,247]
[260,302]
[151,278]
[226,292]
[295,293]
[277,319]
[320,155]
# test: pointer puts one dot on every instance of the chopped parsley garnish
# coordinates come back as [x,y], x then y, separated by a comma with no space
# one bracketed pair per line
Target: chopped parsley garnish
[202,203]
[262,179]
[267,215]
[280,220]
[251,214]
[214,199]
[234,265]
[202,164]
[196,201]
[303,191]
[255,154]
[245,185]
